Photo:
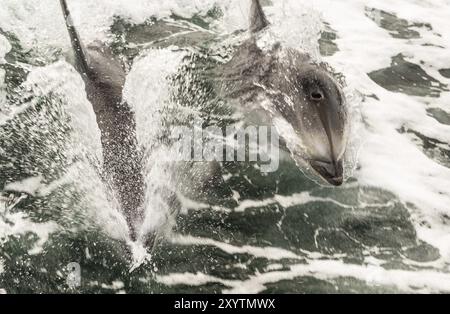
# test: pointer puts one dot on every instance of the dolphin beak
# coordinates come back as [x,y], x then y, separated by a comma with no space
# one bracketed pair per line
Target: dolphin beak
[332,172]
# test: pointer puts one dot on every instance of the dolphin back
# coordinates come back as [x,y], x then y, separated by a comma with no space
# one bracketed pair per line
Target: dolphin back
[81,56]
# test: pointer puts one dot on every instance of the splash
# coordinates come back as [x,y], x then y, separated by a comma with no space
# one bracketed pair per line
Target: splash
[380,230]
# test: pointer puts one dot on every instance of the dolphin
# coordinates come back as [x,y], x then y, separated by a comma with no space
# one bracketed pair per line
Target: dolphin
[104,78]
[304,93]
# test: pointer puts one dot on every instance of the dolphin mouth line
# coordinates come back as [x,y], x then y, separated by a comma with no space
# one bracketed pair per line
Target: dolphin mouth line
[332,172]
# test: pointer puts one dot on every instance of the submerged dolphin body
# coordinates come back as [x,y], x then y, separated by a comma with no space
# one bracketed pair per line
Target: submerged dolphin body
[104,78]
[301,92]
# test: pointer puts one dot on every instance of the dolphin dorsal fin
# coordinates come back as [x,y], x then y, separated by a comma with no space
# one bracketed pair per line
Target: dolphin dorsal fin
[81,56]
[258,20]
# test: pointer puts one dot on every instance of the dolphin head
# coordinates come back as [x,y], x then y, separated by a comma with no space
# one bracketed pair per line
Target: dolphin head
[304,93]
[308,97]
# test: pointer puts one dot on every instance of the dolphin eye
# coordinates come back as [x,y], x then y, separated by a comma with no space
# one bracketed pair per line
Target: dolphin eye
[316,95]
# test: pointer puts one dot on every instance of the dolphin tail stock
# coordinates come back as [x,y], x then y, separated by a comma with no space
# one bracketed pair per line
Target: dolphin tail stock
[258,19]
[81,56]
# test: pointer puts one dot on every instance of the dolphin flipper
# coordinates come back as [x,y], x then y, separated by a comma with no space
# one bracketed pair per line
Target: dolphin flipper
[258,20]
[81,56]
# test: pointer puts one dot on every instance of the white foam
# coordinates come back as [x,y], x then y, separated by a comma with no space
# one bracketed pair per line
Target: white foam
[410,281]
[197,279]
[5,47]
[421,281]
[266,252]
[41,24]
[29,185]
[14,224]
[285,201]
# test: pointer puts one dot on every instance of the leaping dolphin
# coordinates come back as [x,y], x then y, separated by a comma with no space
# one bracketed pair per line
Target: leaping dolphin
[104,78]
[301,91]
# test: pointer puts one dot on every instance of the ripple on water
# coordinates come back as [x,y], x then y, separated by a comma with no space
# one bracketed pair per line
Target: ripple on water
[408,78]
[397,27]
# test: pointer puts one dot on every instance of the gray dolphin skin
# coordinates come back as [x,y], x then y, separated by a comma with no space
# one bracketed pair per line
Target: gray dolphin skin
[104,78]
[302,92]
